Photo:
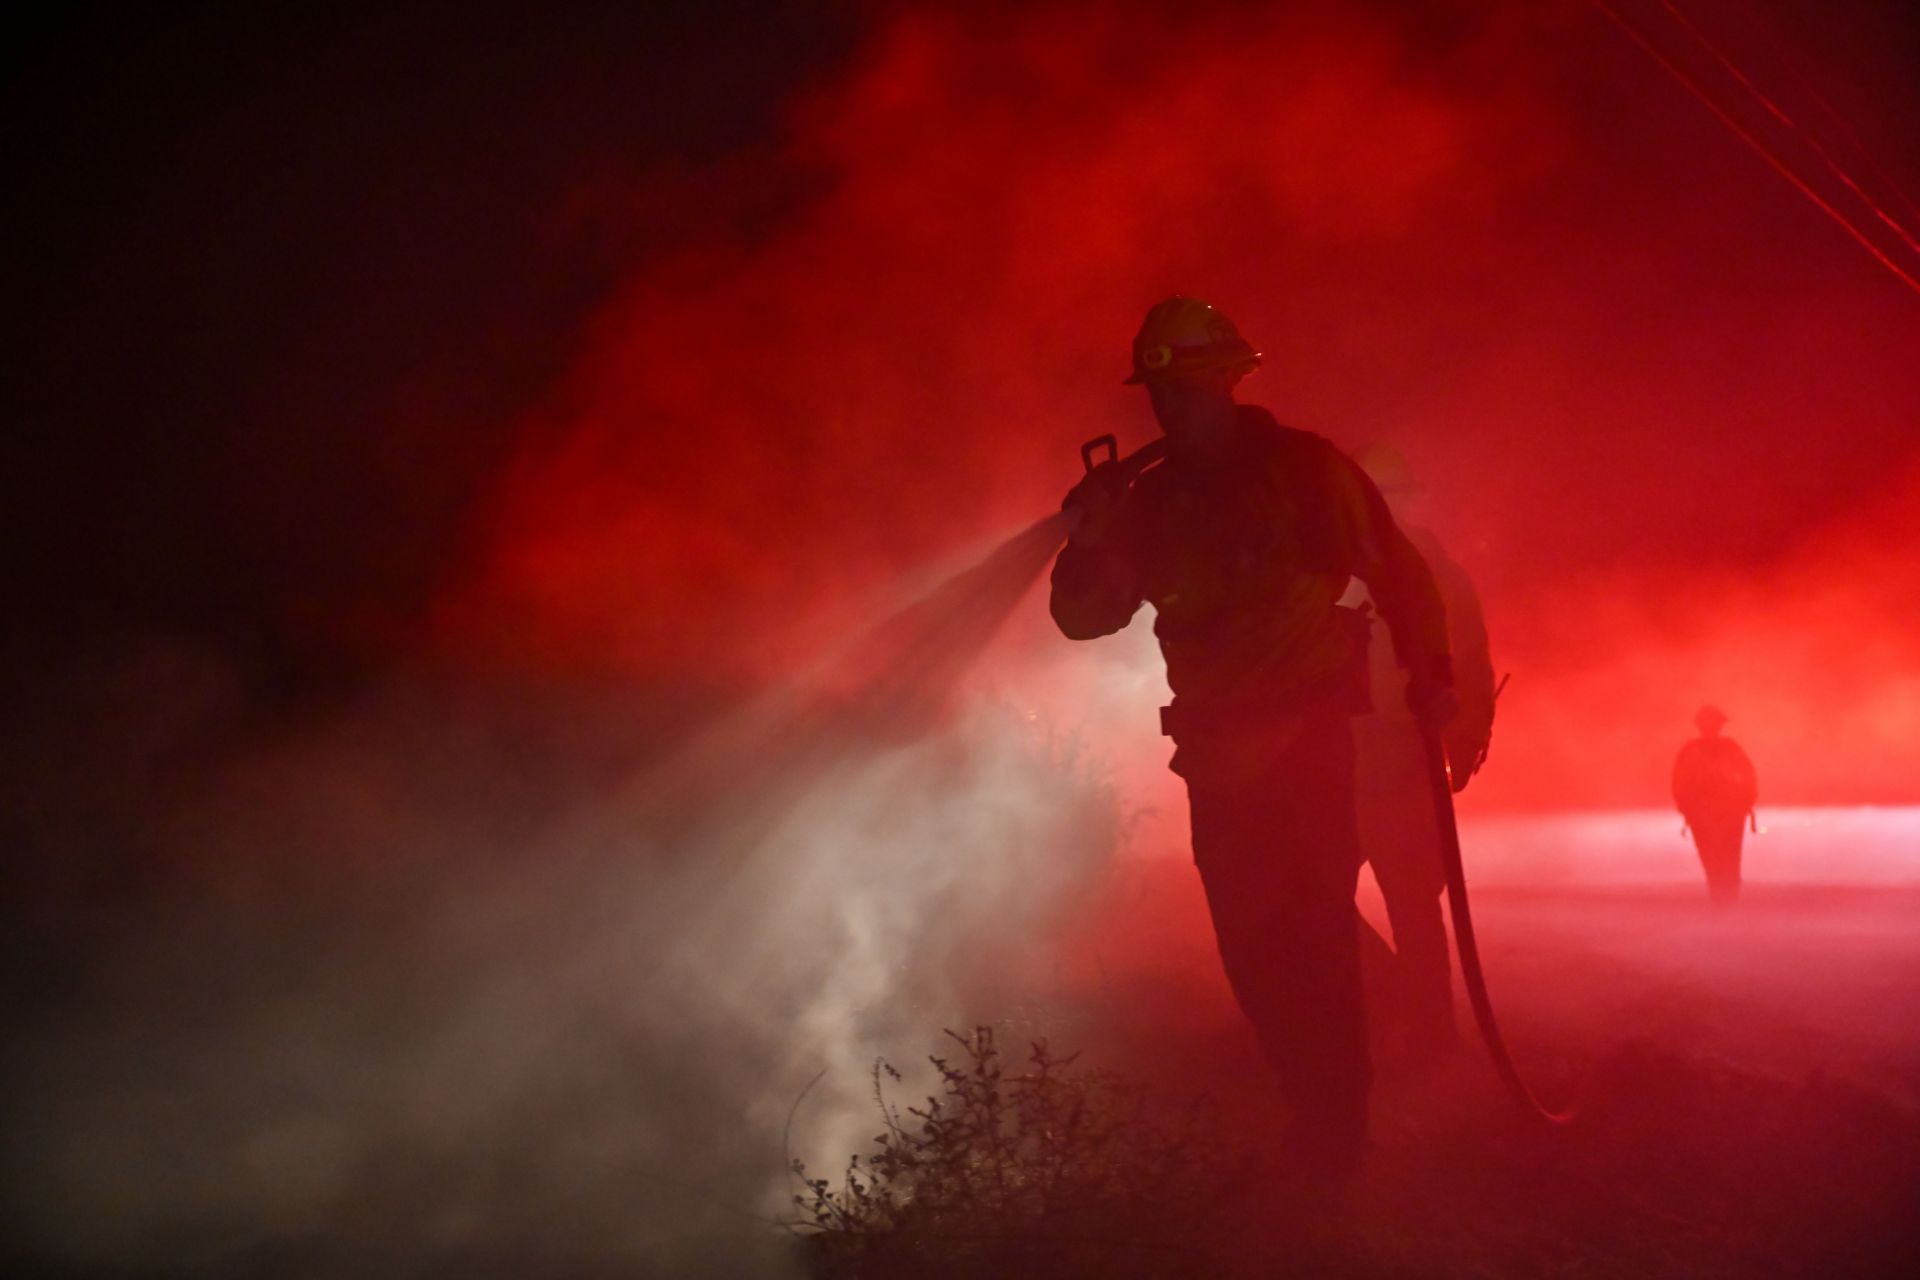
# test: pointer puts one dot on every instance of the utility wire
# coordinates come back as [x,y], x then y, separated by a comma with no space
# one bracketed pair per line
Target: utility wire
[1767,153]
[1832,113]
[1779,114]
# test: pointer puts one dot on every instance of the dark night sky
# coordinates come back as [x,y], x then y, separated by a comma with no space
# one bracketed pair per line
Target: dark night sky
[245,251]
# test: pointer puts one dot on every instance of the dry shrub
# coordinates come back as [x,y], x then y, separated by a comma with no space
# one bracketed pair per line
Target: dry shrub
[1046,1170]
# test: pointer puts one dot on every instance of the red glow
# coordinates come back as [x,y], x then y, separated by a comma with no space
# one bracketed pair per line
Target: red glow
[1643,424]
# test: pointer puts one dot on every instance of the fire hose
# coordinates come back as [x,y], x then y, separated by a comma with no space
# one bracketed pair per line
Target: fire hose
[1440,783]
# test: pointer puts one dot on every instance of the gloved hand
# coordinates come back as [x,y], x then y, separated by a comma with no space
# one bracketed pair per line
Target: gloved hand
[1465,751]
[1094,504]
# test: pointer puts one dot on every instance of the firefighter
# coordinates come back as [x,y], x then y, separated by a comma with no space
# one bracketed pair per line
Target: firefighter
[1242,539]
[1399,833]
[1715,790]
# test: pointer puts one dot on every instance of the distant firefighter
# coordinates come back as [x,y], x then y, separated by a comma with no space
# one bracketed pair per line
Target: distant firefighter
[1398,831]
[1714,787]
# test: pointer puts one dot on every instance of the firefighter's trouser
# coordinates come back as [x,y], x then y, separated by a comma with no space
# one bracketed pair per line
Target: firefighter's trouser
[1400,836]
[1275,841]
[1718,837]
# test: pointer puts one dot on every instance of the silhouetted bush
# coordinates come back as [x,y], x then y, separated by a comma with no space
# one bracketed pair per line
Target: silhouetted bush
[1048,1170]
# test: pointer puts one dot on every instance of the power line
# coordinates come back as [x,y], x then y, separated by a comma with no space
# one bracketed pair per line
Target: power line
[1767,153]
[1779,114]
[1832,114]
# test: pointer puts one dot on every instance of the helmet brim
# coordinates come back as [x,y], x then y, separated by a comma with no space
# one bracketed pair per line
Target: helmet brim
[1207,364]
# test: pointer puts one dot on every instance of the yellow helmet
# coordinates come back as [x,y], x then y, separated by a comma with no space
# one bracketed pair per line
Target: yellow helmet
[1184,335]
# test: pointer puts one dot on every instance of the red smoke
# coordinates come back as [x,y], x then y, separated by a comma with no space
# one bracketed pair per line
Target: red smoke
[1645,385]
[1816,655]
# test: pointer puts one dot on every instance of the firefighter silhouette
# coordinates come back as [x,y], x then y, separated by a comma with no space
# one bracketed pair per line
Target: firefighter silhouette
[1399,833]
[1715,790]
[1243,538]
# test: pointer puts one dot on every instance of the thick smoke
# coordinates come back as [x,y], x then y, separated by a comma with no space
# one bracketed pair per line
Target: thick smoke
[911,357]
[398,1008]
[1643,380]
[1814,655]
